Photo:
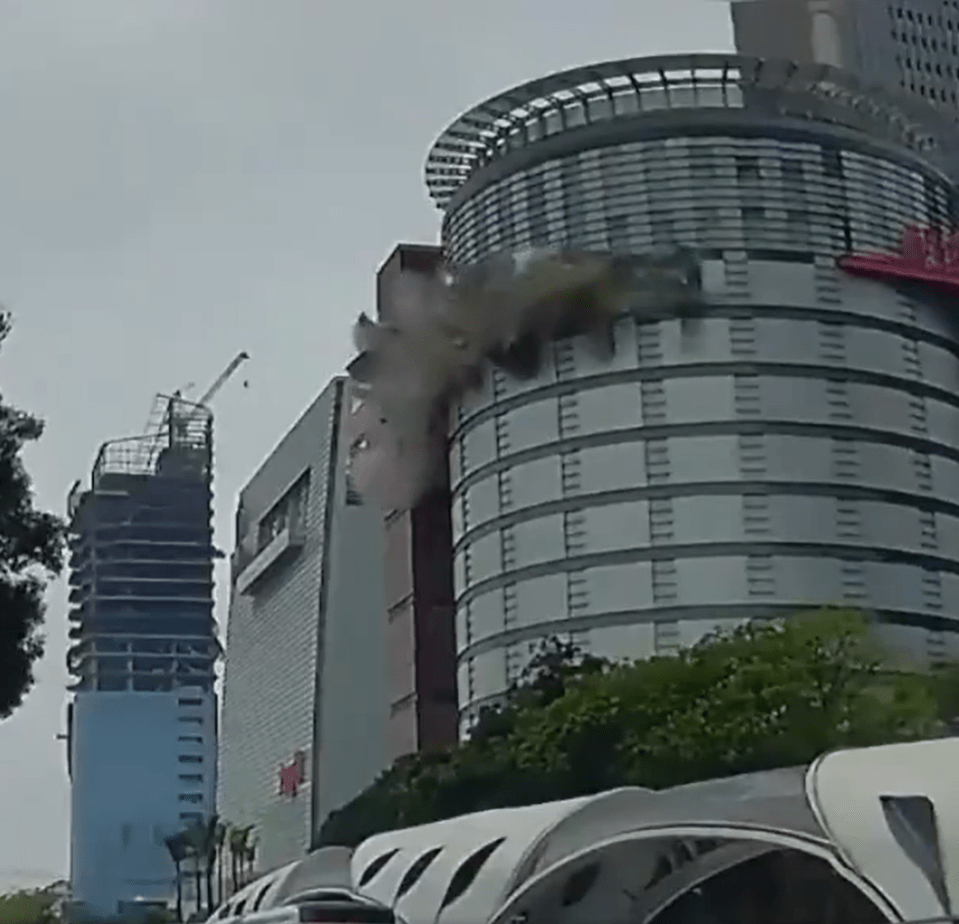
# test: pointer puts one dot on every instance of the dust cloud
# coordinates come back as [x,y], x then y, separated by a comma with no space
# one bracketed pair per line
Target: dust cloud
[449,327]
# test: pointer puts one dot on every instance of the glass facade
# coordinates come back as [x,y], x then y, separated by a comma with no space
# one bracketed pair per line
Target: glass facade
[798,445]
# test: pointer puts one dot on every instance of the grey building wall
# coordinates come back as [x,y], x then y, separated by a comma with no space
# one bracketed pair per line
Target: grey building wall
[352,708]
[911,44]
[799,446]
[293,654]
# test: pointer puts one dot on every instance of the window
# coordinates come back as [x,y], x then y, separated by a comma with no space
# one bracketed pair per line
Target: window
[191,702]
[192,719]
[190,759]
[289,512]
[747,168]
[191,817]
[377,865]
[353,496]
[468,871]
[832,162]
[193,797]
[191,777]
[412,875]
[792,170]
[192,739]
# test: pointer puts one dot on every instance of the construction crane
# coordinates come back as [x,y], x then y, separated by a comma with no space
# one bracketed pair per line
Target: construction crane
[223,378]
[179,412]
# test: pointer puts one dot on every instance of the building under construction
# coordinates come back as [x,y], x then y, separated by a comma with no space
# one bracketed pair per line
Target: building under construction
[141,581]
[142,724]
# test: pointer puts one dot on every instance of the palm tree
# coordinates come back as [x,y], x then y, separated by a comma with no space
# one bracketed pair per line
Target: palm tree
[195,838]
[238,839]
[251,854]
[178,852]
[212,824]
[203,839]
[220,838]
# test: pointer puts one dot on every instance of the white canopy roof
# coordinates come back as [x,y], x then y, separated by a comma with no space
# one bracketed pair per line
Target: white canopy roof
[886,819]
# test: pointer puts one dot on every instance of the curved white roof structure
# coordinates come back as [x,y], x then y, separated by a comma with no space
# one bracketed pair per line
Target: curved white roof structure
[631,852]
[884,820]
[879,806]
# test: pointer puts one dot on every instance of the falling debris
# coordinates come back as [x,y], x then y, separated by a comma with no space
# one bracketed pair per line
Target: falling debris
[448,327]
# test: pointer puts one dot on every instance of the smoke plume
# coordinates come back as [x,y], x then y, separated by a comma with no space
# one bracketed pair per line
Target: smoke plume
[448,327]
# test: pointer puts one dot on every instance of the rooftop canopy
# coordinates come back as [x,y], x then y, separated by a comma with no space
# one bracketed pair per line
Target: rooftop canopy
[584,96]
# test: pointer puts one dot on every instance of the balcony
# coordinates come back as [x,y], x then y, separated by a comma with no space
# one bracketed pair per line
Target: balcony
[282,547]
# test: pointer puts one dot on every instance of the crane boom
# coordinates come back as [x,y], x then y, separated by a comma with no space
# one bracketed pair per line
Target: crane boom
[224,376]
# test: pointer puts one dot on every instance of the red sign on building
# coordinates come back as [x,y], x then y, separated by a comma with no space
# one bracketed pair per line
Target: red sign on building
[926,255]
[293,775]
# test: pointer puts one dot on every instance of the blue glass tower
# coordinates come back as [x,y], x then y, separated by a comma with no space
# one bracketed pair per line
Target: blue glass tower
[142,723]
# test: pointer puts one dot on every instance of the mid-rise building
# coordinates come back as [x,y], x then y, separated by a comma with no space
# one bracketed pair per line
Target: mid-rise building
[142,729]
[797,447]
[305,690]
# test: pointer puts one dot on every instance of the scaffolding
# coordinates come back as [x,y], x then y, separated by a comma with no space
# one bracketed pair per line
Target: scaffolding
[177,429]
[141,558]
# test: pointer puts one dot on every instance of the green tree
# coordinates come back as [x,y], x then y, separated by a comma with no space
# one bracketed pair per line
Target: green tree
[471,773]
[766,694]
[763,695]
[29,906]
[31,551]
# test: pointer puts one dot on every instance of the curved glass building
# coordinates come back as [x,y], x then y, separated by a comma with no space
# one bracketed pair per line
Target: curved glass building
[799,445]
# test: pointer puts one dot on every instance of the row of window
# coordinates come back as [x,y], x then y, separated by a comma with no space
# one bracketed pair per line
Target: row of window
[920,19]
[928,44]
[119,682]
[870,194]
[673,169]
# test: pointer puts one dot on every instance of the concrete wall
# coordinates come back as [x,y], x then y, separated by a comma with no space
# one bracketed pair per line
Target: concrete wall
[353,705]
[132,787]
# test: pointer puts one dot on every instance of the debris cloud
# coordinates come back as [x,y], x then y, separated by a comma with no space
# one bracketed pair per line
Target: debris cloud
[447,328]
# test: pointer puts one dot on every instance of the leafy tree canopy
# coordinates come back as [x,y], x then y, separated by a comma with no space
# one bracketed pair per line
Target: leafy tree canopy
[29,906]
[766,694]
[31,550]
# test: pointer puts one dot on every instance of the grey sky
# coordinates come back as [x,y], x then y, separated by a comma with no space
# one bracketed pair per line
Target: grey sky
[182,179]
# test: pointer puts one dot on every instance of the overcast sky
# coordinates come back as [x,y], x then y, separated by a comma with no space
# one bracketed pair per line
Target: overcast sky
[183,179]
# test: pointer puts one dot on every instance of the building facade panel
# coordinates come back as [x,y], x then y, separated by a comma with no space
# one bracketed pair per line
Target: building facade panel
[788,449]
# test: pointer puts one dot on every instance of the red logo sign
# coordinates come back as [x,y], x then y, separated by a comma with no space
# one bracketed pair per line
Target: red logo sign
[293,775]
[925,255]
